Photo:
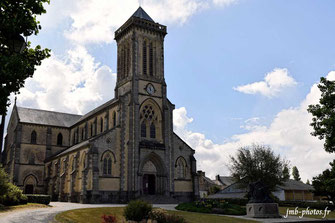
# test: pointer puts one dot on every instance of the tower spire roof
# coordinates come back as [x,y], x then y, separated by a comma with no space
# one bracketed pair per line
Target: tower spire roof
[140,13]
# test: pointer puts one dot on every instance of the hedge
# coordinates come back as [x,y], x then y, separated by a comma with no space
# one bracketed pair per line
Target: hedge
[38,198]
[305,204]
[238,201]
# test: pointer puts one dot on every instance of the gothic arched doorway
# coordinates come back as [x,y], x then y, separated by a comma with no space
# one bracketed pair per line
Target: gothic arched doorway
[149,183]
[153,175]
[29,184]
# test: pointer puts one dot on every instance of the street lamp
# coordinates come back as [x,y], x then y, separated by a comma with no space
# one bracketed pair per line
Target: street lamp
[16,44]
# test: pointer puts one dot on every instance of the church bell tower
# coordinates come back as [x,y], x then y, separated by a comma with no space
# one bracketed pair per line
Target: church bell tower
[145,109]
[140,52]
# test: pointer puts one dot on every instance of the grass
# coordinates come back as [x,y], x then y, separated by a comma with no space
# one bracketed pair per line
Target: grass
[283,210]
[93,215]
[22,206]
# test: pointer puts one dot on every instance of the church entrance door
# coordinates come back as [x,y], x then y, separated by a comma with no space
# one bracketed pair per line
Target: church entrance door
[149,184]
[29,189]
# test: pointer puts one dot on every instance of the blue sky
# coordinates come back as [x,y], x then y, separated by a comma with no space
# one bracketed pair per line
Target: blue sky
[212,48]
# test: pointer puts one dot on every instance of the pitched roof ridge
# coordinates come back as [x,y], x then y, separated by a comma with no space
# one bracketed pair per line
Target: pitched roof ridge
[35,109]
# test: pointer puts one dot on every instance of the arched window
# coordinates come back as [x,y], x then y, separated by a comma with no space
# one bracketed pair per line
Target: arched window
[74,138]
[144,58]
[143,130]
[107,164]
[33,137]
[181,168]
[127,61]
[114,119]
[101,125]
[106,123]
[152,131]
[151,62]
[150,119]
[59,139]
[73,166]
[84,160]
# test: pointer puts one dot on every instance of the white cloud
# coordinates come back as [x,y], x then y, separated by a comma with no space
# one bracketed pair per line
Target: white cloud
[288,135]
[273,84]
[223,2]
[95,21]
[74,84]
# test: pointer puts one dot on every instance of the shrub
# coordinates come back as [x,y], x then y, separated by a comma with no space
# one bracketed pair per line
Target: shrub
[13,196]
[172,218]
[193,208]
[137,210]
[109,219]
[39,198]
[212,206]
[159,215]
[305,204]
[238,201]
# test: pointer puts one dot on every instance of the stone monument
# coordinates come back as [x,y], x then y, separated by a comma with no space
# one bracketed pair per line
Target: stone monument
[261,205]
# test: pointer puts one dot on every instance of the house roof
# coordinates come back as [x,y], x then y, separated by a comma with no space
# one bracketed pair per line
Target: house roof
[140,13]
[208,180]
[295,185]
[227,180]
[43,117]
[239,195]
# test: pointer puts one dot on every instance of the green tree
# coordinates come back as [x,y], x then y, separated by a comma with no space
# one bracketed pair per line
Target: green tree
[286,173]
[324,184]
[4,187]
[323,113]
[9,193]
[18,18]
[295,174]
[214,189]
[307,182]
[258,162]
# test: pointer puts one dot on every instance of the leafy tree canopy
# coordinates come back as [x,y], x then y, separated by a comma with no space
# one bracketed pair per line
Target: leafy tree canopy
[258,162]
[286,173]
[17,18]
[296,174]
[323,113]
[324,184]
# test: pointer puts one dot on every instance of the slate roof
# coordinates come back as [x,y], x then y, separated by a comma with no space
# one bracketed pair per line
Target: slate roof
[140,13]
[227,180]
[209,180]
[72,148]
[228,195]
[43,117]
[101,107]
[295,185]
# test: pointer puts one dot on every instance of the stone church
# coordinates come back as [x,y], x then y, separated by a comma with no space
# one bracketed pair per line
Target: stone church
[121,150]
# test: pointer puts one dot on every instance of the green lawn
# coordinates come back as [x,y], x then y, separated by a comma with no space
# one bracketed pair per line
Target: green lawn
[22,206]
[93,215]
[283,210]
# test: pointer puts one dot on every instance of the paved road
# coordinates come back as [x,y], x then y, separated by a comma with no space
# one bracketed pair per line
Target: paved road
[46,215]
